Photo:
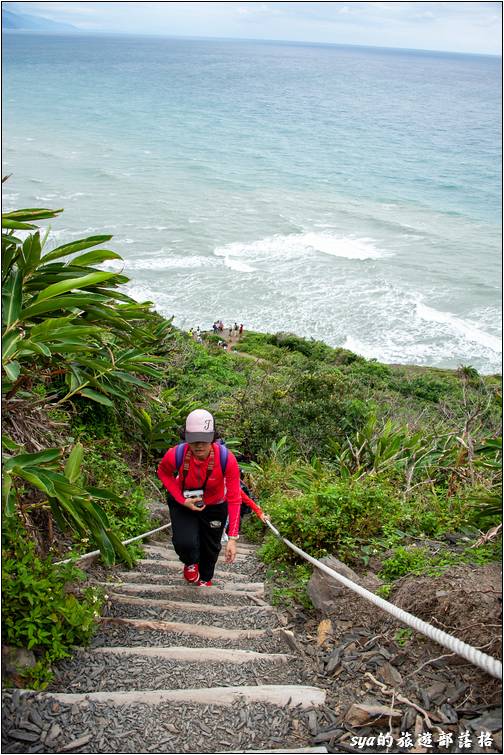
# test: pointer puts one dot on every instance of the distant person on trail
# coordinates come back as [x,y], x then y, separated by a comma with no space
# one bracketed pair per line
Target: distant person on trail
[200,498]
[241,329]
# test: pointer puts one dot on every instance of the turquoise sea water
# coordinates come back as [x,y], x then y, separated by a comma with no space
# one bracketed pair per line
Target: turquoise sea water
[347,194]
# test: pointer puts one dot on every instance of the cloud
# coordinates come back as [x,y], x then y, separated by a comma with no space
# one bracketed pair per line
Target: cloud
[455,26]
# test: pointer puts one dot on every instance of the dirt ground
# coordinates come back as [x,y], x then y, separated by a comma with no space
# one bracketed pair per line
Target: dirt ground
[365,657]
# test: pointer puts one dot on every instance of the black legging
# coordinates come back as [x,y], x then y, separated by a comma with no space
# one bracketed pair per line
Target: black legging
[196,536]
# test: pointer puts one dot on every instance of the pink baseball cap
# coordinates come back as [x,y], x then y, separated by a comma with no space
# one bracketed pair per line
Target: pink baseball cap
[199,426]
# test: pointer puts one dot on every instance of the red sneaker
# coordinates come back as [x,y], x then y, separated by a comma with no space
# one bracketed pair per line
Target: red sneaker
[191,573]
[202,583]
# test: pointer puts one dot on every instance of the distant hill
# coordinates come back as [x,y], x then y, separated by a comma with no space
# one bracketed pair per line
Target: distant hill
[25,22]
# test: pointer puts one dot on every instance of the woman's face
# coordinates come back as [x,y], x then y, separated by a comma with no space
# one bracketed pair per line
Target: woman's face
[200,449]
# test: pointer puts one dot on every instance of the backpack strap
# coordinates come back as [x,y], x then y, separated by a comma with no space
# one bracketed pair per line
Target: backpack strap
[182,455]
[179,455]
[223,456]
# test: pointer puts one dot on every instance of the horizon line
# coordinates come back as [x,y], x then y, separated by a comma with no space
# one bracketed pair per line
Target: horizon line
[95,32]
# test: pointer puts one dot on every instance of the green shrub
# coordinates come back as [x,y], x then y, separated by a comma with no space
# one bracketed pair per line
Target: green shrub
[424,387]
[336,517]
[405,561]
[38,610]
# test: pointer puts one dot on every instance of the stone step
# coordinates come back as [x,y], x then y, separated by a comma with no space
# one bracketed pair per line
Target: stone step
[89,723]
[282,695]
[204,593]
[124,669]
[232,616]
[195,630]
[130,577]
[283,751]
[168,565]
[185,605]
[151,566]
[196,655]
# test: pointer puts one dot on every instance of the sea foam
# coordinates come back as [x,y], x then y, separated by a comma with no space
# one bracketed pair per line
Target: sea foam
[464,328]
[299,245]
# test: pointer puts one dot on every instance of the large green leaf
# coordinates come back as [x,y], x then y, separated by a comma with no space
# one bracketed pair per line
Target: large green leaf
[58,514]
[104,544]
[95,257]
[9,342]
[32,477]
[71,510]
[6,223]
[74,302]
[8,498]
[9,444]
[73,465]
[132,379]
[99,514]
[12,370]
[74,283]
[98,397]
[9,256]
[61,327]
[36,348]
[12,298]
[28,460]
[30,253]
[104,494]
[31,213]
[75,246]
[119,548]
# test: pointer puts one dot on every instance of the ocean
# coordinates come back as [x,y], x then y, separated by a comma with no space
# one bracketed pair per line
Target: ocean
[346,194]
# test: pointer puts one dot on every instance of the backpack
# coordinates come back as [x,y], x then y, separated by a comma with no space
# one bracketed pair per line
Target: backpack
[223,455]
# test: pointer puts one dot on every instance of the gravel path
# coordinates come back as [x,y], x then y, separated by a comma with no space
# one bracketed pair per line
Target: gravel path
[190,593]
[38,723]
[167,728]
[248,568]
[252,618]
[121,636]
[106,672]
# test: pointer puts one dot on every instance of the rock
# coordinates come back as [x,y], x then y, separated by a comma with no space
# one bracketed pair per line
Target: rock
[360,714]
[333,661]
[324,629]
[159,510]
[76,743]
[491,720]
[436,692]
[23,735]
[324,591]
[389,675]
[14,659]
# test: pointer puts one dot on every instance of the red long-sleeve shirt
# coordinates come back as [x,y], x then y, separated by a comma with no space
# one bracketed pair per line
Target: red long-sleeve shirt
[218,487]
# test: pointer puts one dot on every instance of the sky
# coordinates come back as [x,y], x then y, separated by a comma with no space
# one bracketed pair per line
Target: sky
[471,27]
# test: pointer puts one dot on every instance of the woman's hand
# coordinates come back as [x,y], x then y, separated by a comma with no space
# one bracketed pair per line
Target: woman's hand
[190,504]
[230,551]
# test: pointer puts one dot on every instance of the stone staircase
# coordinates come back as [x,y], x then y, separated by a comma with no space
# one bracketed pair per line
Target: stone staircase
[174,668]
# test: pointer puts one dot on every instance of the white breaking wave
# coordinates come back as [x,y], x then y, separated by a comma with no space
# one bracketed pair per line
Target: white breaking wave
[168,263]
[298,245]
[241,267]
[460,327]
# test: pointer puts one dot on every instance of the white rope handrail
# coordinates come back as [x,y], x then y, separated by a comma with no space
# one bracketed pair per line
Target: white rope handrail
[491,665]
[97,553]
